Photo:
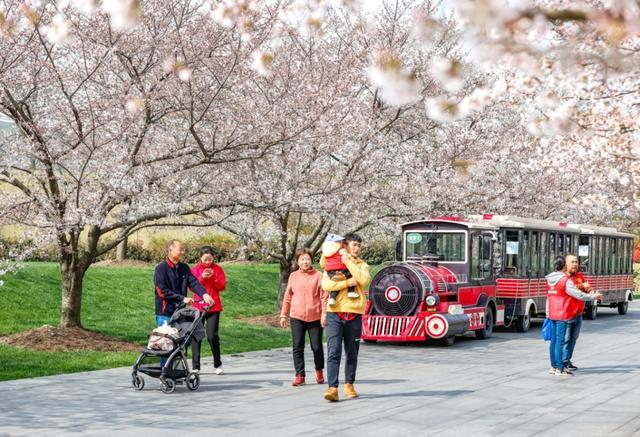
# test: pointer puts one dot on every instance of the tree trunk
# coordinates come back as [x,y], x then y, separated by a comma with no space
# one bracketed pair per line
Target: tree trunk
[72,277]
[73,265]
[121,250]
[285,272]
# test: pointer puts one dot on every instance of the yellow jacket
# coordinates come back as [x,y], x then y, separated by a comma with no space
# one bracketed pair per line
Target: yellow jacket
[360,271]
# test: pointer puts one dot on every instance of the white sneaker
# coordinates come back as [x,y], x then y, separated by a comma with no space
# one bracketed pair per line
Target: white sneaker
[195,370]
[219,370]
[560,372]
[332,301]
[552,370]
[353,295]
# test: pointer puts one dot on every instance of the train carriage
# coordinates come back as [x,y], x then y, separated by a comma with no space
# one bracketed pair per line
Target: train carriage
[527,249]
[606,260]
[457,275]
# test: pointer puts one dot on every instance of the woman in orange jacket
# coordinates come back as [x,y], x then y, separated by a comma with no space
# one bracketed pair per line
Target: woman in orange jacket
[305,305]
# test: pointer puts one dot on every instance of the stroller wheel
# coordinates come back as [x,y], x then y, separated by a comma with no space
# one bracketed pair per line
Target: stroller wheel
[168,386]
[193,381]
[138,382]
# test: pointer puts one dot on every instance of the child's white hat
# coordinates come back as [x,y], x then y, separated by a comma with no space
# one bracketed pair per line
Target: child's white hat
[334,237]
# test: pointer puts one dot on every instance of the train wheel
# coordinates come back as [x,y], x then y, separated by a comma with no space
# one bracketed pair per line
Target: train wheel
[487,331]
[591,312]
[448,341]
[623,307]
[523,323]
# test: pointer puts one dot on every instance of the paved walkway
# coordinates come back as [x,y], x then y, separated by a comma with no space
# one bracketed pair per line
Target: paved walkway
[480,388]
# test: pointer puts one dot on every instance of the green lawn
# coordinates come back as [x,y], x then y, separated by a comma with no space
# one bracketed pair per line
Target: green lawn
[120,302]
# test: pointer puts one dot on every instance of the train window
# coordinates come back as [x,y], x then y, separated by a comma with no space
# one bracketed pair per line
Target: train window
[440,246]
[627,256]
[560,242]
[511,252]
[614,256]
[552,252]
[544,252]
[526,253]
[475,257]
[606,264]
[535,254]
[568,247]
[583,253]
[487,256]
[601,262]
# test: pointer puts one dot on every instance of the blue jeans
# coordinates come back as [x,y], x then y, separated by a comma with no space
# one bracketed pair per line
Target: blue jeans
[570,337]
[557,343]
[338,332]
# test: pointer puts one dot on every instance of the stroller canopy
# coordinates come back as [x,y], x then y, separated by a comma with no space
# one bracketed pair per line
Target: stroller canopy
[185,321]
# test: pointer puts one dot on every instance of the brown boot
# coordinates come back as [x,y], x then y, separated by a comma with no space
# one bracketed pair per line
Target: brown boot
[331,394]
[350,392]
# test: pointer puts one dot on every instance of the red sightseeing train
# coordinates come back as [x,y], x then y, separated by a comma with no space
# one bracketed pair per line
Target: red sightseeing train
[458,275]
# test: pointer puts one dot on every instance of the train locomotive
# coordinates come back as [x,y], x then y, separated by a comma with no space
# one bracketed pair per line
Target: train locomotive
[433,293]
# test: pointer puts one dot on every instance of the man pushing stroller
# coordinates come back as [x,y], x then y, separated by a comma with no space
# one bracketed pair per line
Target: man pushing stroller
[172,279]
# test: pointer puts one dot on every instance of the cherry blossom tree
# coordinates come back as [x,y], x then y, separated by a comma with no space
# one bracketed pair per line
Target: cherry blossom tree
[117,130]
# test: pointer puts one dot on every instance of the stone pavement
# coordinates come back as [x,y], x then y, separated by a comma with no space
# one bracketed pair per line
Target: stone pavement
[476,387]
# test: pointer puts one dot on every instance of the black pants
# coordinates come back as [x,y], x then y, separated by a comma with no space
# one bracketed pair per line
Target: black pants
[212,323]
[338,332]
[298,333]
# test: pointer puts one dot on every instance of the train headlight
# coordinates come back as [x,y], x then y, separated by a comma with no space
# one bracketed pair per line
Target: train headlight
[430,300]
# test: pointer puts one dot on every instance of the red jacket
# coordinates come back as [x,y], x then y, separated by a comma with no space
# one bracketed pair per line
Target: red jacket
[214,285]
[334,262]
[560,304]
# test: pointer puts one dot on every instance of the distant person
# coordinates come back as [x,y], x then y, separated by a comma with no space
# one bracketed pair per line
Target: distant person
[212,277]
[172,278]
[561,309]
[333,248]
[344,320]
[305,305]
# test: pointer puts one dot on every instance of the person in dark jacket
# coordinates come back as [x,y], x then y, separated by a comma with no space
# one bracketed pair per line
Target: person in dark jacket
[172,279]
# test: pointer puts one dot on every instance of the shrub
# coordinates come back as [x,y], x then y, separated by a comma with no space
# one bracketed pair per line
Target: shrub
[378,251]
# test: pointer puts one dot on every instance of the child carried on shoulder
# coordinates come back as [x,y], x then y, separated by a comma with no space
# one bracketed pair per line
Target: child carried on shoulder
[333,249]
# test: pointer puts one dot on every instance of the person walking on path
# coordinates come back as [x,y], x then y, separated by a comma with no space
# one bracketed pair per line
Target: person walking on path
[305,305]
[561,309]
[171,279]
[212,277]
[344,320]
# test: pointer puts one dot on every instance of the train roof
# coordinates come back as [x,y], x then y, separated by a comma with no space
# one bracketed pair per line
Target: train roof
[495,221]
[512,221]
[600,230]
[455,221]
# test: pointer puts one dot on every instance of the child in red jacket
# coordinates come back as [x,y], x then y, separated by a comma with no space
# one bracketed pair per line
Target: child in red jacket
[333,248]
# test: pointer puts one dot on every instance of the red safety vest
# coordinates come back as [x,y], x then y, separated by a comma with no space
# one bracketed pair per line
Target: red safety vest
[560,305]
[578,305]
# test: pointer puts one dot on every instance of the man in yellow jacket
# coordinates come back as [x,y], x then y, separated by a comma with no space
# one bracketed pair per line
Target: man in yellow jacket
[344,320]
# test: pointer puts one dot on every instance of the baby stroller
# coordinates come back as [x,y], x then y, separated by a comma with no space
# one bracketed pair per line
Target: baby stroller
[171,365]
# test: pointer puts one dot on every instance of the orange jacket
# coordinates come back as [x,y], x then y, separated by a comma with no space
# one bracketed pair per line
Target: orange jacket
[304,298]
